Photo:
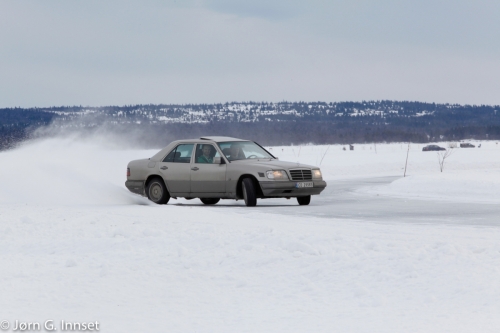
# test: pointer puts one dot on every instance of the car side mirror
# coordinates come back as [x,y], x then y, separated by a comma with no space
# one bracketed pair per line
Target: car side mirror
[217,160]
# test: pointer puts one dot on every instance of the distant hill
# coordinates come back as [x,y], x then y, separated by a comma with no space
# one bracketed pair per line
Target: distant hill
[268,123]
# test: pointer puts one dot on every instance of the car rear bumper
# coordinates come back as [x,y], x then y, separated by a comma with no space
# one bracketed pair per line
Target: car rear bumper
[289,189]
[135,186]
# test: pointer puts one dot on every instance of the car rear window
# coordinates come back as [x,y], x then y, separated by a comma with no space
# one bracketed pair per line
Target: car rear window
[180,154]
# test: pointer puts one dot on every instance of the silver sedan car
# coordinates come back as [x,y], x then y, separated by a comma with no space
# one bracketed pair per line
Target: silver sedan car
[214,168]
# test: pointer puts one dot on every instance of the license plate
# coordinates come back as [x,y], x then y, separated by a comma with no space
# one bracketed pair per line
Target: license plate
[305,184]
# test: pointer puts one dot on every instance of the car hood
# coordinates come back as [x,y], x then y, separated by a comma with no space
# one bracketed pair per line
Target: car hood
[275,164]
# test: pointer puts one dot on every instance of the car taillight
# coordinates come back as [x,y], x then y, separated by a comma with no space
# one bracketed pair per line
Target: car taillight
[128,172]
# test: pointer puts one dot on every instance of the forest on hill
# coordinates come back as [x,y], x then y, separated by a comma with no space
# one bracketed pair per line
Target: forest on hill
[268,123]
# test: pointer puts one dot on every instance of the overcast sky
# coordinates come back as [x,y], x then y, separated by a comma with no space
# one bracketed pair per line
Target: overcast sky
[117,52]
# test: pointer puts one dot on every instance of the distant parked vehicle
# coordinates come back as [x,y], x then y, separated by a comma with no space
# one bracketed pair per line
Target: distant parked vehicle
[467,145]
[432,148]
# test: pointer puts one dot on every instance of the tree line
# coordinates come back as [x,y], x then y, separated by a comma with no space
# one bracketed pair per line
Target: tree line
[268,123]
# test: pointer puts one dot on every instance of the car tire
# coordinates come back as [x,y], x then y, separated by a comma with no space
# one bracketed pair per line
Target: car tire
[210,201]
[248,189]
[303,201]
[157,191]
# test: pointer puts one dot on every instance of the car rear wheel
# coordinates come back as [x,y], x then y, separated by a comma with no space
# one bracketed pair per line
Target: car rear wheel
[210,201]
[248,189]
[157,191]
[304,200]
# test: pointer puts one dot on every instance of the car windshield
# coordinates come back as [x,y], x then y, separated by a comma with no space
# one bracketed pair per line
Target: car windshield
[240,150]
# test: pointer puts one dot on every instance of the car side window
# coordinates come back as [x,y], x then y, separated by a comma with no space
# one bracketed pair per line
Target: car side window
[205,153]
[180,154]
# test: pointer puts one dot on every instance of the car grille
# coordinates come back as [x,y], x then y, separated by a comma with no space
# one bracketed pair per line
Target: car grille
[301,174]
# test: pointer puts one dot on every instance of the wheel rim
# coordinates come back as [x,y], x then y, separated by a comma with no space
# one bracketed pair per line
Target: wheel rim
[245,193]
[155,192]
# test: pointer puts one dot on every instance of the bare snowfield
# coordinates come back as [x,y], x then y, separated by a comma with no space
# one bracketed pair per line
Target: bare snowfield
[374,253]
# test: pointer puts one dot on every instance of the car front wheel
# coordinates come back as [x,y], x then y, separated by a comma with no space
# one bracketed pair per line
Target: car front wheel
[248,189]
[157,191]
[210,201]
[304,200]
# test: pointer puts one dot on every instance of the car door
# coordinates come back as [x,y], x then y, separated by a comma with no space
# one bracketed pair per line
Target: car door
[207,174]
[176,169]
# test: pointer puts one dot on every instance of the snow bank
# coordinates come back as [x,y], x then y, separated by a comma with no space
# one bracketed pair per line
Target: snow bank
[451,186]
[470,174]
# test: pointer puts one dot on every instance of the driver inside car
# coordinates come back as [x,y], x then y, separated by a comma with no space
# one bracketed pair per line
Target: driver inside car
[205,158]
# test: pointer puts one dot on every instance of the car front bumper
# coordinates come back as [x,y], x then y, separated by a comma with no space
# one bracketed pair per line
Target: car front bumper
[289,189]
[135,186]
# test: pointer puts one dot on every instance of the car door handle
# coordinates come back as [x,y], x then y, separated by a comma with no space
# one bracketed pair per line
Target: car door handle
[164,167]
[195,169]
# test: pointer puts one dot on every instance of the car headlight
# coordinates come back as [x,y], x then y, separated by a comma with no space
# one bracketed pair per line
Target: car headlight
[317,174]
[277,174]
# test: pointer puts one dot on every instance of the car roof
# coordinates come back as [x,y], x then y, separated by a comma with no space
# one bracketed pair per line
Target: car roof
[220,138]
[210,138]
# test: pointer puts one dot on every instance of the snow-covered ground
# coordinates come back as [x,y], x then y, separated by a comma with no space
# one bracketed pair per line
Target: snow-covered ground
[75,245]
